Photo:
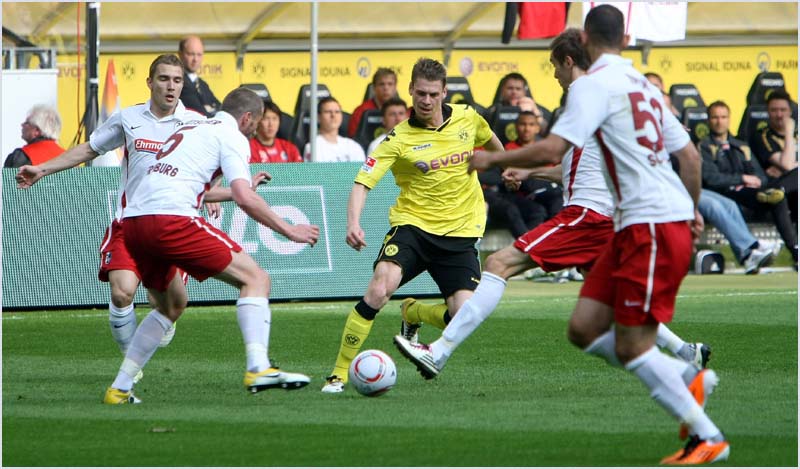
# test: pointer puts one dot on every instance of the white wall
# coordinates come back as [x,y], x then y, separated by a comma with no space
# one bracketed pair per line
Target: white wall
[23,89]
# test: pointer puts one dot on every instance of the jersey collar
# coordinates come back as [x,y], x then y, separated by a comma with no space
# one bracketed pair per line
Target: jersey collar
[447,112]
[608,59]
[180,110]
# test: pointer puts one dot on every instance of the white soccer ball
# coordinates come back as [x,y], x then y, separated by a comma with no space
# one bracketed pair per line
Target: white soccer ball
[372,373]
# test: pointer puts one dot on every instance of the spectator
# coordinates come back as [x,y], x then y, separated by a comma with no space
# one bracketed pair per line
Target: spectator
[265,147]
[332,147]
[394,111]
[656,79]
[196,94]
[512,93]
[384,84]
[729,169]
[776,147]
[40,130]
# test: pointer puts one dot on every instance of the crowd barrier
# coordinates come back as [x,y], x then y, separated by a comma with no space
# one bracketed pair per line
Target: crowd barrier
[52,231]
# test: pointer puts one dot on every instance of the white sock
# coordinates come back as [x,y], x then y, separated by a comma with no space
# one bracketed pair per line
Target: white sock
[253,315]
[667,339]
[122,322]
[471,314]
[603,347]
[143,346]
[668,389]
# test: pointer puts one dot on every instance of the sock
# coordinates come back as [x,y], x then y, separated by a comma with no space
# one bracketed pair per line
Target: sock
[144,344]
[122,322]
[603,347]
[356,330]
[251,313]
[432,314]
[471,314]
[668,390]
[667,339]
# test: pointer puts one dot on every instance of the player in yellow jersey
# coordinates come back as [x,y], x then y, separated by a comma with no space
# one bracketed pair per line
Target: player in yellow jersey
[439,215]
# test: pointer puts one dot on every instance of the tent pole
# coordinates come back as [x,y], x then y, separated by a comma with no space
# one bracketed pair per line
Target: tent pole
[312,110]
[92,59]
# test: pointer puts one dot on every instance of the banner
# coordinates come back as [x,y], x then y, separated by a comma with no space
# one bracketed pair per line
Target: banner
[52,231]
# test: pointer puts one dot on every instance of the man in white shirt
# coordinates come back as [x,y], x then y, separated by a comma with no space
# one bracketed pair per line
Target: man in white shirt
[141,129]
[632,287]
[332,147]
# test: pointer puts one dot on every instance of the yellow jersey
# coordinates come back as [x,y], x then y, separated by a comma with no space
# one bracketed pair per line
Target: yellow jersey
[430,168]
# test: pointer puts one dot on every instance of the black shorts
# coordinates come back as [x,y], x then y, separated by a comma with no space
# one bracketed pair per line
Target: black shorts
[451,261]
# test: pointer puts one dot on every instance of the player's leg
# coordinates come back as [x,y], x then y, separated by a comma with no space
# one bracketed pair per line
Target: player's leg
[696,353]
[121,314]
[385,281]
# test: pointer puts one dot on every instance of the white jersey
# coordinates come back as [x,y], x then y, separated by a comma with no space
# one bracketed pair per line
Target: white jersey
[345,149]
[616,108]
[190,159]
[142,134]
[583,182]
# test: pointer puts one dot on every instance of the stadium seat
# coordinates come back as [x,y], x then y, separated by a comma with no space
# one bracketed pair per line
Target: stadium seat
[764,84]
[299,135]
[369,92]
[497,94]
[369,128]
[345,121]
[754,119]
[285,130]
[459,92]
[303,101]
[260,89]
[685,95]
[695,118]
[503,123]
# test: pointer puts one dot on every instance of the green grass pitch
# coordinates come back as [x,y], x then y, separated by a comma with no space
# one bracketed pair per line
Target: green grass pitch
[515,394]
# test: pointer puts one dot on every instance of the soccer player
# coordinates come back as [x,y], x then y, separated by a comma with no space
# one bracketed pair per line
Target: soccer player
[439,215]
[141,129]
[631,288]
[575,237]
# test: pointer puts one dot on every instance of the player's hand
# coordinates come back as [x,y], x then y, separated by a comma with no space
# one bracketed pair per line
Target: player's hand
[480,161]
[355,238]
[27,176]
[751,181]
[308,234]
[697,226]
[773,172]
[513,177]
[261,177]
[213,209]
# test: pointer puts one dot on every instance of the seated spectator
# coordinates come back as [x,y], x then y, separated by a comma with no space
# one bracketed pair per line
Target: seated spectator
[384,85]
[729,169]
[776,147]
[331,147]
[656,79]
[393,111]
[528,130]
[195,94]
[40,131]
[265,147]
[505,209]
[512,93]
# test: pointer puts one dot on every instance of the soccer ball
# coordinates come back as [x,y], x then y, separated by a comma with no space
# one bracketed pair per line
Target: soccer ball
[372,373]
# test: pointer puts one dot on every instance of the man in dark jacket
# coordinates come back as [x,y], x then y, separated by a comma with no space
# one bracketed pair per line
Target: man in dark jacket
[730,169]
[196,94]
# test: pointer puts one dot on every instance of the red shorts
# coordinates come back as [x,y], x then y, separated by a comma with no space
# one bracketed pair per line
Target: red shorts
[114,254]
[161,243]
[640,274]
[575,237]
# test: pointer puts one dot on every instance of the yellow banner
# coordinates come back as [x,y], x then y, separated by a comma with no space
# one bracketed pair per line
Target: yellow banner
[724,73]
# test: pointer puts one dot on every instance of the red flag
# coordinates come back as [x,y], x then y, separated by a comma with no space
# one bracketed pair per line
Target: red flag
[539,20]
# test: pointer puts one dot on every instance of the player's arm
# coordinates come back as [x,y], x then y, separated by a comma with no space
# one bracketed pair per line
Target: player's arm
[258,209]
[494,144]
[786,159]
[544,152]
[355,205]
[223,194]
[28,175]
[689,160]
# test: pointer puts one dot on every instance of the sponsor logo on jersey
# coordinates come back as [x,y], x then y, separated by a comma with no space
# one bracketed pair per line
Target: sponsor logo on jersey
[147,146]
[368,164]
[443,162]
[391,250]
[421,147]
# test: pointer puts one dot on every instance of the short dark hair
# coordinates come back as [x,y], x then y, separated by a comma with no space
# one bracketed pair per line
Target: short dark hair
[165,59]
[718,103]
[528,113]
[324,101]
[272,107]
[605,26]
[392,102]
[383,72]
[429,69]
[568,44]
[513,76]
[779,94]
[241,101]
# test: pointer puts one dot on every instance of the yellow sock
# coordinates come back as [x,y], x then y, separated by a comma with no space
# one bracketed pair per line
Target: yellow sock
[356,330]
[432,314]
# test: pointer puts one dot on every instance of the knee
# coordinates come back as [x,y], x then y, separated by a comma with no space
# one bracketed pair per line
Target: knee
[494,264]
[581,334]
[121,297]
